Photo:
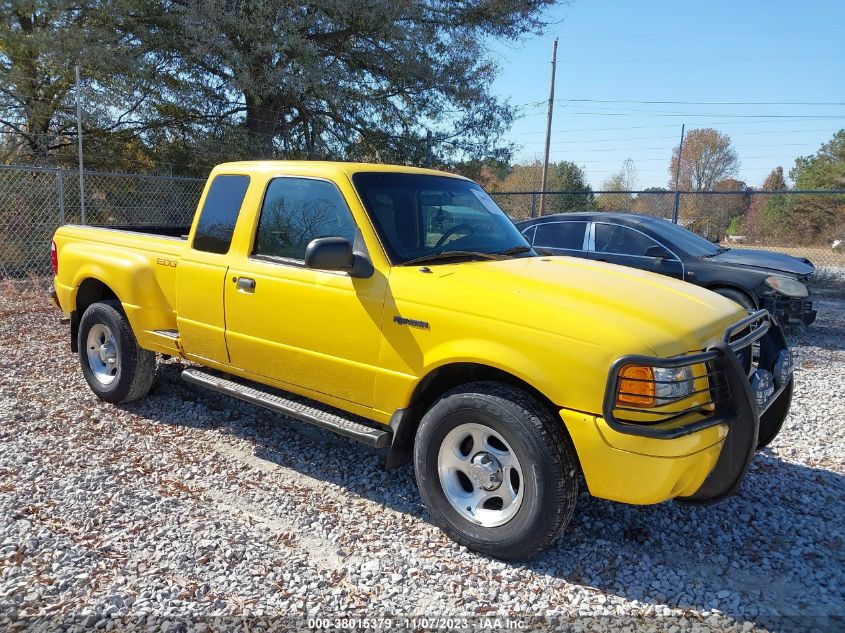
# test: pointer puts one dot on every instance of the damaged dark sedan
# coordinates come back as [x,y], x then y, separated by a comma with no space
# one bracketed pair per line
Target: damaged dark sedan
[753,278]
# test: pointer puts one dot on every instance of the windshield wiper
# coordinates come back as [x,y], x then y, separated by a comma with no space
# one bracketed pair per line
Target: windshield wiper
[719,251]
[516,250]
[447,255]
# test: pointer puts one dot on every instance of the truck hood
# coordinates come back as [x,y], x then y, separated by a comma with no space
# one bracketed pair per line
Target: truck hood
[614,305]
[776,262]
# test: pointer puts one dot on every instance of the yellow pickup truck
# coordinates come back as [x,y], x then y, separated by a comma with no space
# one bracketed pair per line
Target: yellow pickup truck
[400,307]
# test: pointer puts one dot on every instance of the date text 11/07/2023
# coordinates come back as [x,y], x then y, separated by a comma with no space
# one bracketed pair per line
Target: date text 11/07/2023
[488,623]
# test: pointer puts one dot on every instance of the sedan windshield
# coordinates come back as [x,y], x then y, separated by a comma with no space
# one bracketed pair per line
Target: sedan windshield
[684,240]
[437,219]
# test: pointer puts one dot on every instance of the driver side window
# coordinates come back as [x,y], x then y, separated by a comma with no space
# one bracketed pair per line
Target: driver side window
[620,240]
[296,211]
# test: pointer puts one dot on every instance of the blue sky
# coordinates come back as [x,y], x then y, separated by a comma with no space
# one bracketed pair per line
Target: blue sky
[741,51]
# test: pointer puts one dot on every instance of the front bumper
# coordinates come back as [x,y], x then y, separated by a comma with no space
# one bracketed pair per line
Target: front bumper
[699,454]
[790,311]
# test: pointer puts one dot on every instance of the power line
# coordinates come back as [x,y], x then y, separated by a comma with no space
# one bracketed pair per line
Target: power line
[701,60]
[666,125]
[638,35]
[655,138]
[741,103]
[789,117]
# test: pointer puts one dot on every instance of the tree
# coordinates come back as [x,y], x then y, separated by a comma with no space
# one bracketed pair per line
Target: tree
[196,82]
[711,215]
[487,172]
[562,176]
[768,215]
[623,180]
[41,43]
[359,79]
[655,201]
[819,218]
[708,158]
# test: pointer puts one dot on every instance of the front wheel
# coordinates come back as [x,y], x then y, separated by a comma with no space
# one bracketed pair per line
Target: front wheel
[737,297]
[116,368]
[496,470]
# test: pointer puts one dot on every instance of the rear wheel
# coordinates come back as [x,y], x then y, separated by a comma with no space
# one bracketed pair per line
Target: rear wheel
[496,470]
[116,368]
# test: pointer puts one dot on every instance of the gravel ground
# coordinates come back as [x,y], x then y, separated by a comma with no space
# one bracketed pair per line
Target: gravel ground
[192,505]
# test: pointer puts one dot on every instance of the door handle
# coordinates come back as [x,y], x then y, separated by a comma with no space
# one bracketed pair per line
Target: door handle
[246,284]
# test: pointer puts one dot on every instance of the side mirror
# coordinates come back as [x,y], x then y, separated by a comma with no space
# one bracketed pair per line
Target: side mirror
[658,251]
[330,253]
[336,253]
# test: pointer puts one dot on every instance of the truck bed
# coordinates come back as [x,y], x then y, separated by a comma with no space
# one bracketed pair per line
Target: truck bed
[165,230]
[136,263]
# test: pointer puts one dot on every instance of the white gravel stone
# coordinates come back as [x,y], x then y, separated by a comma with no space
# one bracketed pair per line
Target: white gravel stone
[193,505]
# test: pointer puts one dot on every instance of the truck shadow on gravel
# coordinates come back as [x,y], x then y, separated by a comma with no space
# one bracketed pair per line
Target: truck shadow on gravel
[773,551]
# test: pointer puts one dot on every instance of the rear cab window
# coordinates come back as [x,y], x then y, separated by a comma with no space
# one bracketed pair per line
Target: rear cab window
[219,213]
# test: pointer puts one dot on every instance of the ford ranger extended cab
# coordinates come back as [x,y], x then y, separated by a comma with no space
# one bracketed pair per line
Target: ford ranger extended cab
[400,307]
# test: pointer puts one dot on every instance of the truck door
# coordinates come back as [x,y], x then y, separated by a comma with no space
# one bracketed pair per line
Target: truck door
[318,330]
[201,272]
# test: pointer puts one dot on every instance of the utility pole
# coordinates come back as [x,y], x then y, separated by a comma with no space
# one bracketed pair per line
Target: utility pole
[677,206]
[429,141]
[548,130]
[79,139]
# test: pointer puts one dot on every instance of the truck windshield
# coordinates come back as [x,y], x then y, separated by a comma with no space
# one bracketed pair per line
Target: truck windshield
[425,218]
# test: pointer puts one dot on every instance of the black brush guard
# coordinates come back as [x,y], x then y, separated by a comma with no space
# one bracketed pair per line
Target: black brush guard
[730,364]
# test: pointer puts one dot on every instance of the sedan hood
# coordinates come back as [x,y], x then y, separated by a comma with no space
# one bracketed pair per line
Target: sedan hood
[776,262]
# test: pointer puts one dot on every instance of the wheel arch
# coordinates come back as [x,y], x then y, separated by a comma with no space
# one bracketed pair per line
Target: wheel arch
[722,285]
[404,422]
[90,290]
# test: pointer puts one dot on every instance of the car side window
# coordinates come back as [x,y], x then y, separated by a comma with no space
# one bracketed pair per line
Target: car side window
[298,210]
[620,240]
[568,235]
[220,213]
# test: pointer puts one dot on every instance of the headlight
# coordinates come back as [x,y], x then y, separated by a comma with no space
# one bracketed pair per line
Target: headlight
[674,383]
[644,386]
[787,286]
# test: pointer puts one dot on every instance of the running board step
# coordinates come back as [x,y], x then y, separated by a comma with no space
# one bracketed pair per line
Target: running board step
[297,407]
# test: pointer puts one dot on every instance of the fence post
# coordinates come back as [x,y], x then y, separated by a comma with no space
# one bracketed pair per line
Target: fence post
[534,204]
[676,208]
[60,176]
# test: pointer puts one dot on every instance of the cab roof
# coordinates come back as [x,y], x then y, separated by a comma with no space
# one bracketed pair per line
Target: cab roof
[321,168]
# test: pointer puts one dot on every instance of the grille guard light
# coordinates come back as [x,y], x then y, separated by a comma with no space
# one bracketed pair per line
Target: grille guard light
[762,385]
[783,367]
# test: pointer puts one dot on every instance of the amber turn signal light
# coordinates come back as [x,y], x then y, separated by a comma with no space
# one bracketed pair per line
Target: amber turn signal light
[636,386]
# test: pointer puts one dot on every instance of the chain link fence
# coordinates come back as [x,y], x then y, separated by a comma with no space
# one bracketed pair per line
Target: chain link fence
[800,223]
[35,201]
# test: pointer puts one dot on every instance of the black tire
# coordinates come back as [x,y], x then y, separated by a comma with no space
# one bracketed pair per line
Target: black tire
[546,457]
[135,368]
[737,296]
